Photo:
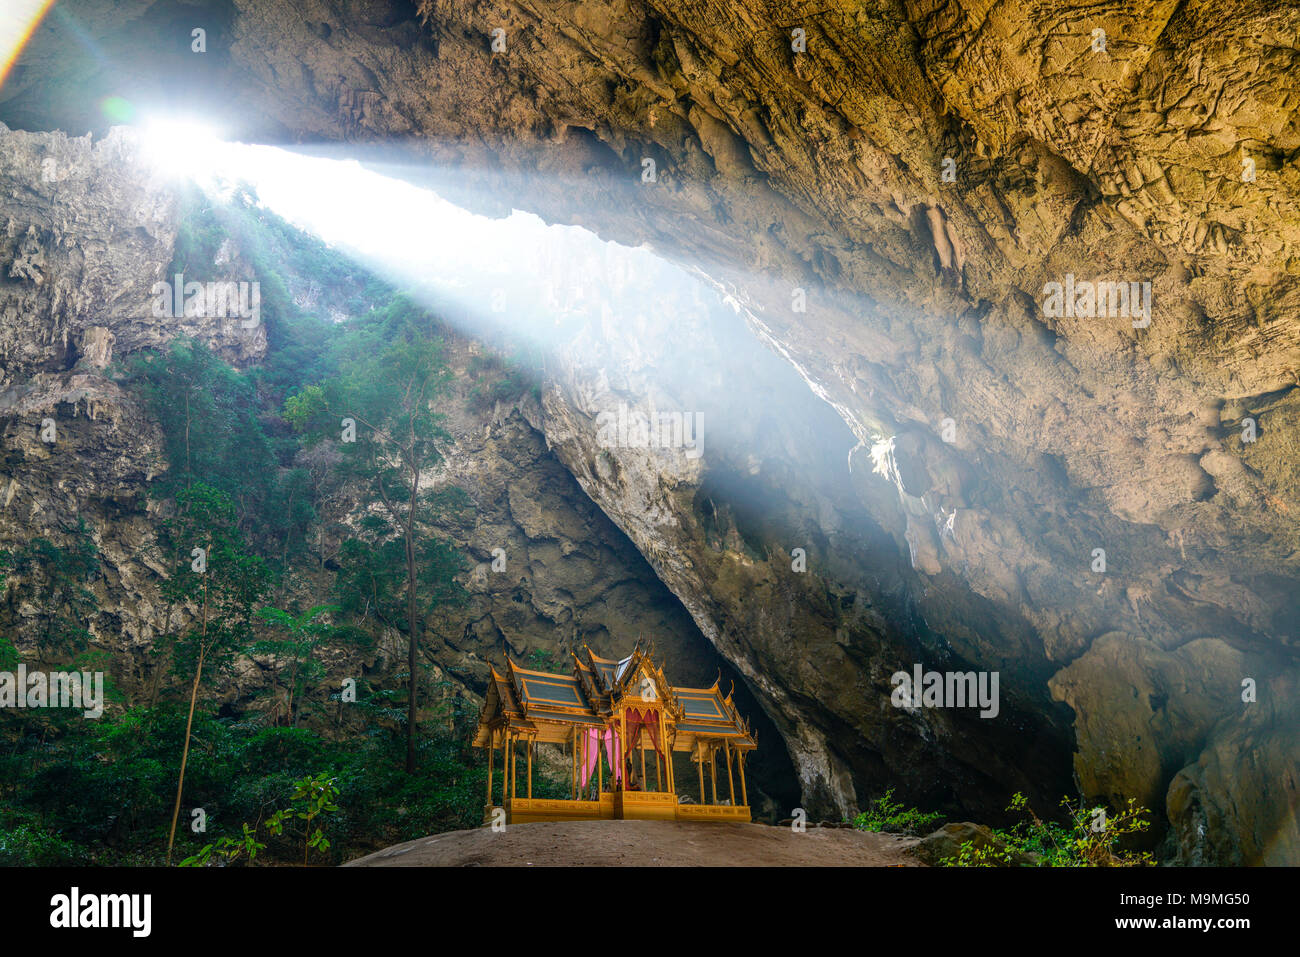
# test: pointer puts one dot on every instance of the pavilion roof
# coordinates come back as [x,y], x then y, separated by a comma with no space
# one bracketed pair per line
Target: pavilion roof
[526,699]
[707,713]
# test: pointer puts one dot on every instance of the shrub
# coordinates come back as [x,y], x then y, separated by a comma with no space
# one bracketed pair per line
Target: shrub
[1092,839]
[24,843]
[885,815]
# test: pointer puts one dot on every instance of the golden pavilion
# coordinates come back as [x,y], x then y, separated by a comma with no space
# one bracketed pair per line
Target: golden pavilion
[622,725]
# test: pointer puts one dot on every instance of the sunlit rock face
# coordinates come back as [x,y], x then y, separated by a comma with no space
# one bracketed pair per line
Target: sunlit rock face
[91,236]
[1154,145]
[753,514]
[548,572]
[89,230]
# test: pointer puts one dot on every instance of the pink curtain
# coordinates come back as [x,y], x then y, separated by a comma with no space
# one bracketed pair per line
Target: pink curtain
[647,721]
[594,738]
[591,754]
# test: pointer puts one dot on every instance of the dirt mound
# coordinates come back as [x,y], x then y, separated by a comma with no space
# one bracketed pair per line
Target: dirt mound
[647,843]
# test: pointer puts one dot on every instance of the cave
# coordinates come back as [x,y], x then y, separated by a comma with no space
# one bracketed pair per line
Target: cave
[987,323]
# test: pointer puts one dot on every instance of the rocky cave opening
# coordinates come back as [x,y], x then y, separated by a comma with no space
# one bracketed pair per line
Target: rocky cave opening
[837,253]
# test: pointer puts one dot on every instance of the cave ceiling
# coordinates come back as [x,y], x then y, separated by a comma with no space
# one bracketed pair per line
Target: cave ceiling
[890,190]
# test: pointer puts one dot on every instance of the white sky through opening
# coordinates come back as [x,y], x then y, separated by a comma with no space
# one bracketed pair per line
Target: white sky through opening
[405,233]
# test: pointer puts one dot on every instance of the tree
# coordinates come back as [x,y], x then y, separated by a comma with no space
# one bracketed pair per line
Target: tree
[390,375]
[214,435]
[312,797]
[306,632]
[214,575]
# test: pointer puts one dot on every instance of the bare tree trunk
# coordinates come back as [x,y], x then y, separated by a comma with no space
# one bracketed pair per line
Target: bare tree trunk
[410,621]
[189,724]
[185,755]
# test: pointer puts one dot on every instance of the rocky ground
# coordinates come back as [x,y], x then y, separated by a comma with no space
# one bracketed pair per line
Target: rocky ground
[648,844]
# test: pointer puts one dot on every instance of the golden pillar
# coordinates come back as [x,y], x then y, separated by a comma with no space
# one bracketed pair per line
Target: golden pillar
[659,776]
[713,772]
[731,783]
[620,749]
[663,746]
[699,758]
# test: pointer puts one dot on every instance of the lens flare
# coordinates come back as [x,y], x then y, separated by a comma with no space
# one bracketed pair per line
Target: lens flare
[18,22]
[182,148]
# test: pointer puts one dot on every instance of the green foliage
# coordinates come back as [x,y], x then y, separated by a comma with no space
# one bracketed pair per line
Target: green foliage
[885,815]
[370,582]
[543,659]
[55,580]
[9,656]
[388,371]
[497,381]
[214,435]
[122,769]
[1094,837]
[228,849]
[25,842]
[243,486]
[390,375]
[223,583]
[199,237]
[296,337]
[312,798]
[305,634]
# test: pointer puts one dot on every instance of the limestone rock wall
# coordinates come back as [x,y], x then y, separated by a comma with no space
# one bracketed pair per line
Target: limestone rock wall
[1154,144]
[570,576]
